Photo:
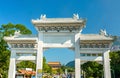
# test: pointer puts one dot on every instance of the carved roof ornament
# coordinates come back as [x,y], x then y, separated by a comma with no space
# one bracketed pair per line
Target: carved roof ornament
[103,32]
[17,33]
[75,16]
[43,17]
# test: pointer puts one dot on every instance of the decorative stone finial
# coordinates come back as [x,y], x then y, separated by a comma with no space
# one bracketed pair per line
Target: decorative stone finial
[17,33]
[103,32]
[43,16]
[75,16]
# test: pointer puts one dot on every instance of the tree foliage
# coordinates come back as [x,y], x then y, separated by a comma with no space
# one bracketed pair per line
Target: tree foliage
[115,63]
[92,69]
[59,71]
[69,69]
[46,67]
[7,30]
[26,64]
[4,59]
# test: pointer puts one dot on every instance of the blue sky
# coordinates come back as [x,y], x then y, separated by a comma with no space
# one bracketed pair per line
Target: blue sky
[100,14]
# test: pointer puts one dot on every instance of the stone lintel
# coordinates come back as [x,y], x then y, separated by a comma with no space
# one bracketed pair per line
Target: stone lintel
[59,26]
[95,41]
[21,41]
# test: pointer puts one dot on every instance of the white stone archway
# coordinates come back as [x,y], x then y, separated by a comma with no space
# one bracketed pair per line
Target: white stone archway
[60,33]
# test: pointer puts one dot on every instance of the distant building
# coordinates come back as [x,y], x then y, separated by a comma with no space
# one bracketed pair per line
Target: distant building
[25,73]
[54,65]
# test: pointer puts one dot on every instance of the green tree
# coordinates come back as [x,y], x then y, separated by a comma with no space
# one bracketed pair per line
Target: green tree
[60,71]
[23,29]
[46,67]
[115,63]
[7,30]
[69,69]
[4,59]
[92,69]
[26,64]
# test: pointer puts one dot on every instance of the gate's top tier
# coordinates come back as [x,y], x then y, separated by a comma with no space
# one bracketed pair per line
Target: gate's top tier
[59,24]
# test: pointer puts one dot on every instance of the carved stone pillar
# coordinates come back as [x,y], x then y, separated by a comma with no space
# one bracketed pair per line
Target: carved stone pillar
[106,64]
[39,57]
[77,56]
[12,65]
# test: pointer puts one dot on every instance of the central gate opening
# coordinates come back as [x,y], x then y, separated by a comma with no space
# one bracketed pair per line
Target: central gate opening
[59,60]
